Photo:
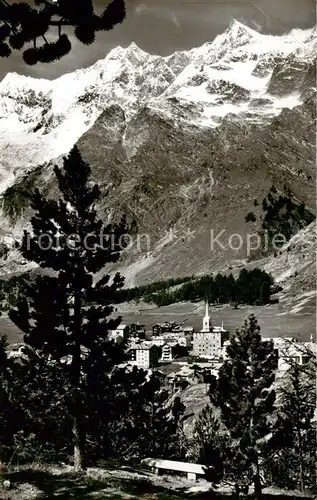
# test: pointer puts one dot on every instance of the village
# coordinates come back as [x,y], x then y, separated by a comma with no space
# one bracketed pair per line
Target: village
[184,354]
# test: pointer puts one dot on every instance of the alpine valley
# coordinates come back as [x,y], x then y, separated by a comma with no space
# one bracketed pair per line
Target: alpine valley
[183,144]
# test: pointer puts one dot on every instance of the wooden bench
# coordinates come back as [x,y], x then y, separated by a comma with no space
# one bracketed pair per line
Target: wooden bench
[192,469]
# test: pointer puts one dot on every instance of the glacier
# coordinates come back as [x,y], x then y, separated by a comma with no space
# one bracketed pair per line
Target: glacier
[40,120]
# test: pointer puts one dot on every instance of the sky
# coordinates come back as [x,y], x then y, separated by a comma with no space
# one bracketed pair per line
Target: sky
[163,26]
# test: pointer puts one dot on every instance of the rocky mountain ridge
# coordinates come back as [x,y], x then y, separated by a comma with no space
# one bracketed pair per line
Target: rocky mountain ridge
[184,143]
[218,78]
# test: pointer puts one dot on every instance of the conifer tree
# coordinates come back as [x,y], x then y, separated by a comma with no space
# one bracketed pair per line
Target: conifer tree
[38,393]
[211,445]
[20,24]
[144,421]
[245,398]
[207,444]
[293,443]
[66,316]
[5,414]
[160,418]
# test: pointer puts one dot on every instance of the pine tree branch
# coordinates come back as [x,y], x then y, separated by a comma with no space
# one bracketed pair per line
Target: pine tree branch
[9,26]
[28,21]
[62,22]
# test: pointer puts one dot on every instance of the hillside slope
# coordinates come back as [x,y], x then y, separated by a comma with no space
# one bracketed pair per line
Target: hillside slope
[183,144]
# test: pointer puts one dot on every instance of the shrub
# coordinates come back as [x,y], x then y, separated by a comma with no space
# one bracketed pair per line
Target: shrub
[250,217]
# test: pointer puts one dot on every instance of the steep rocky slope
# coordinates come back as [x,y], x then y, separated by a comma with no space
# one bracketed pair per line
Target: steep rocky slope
[184,144]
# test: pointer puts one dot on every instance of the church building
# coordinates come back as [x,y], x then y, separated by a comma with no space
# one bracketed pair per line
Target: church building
[208,343]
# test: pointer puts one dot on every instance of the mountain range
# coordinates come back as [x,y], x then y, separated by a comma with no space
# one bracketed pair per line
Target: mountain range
[182,144]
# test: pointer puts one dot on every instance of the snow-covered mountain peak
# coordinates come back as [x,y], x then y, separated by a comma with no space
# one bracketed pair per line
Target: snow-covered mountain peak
[241,42]
[237,29]
[132,54]
[231,75]
[14,82]
[237,34]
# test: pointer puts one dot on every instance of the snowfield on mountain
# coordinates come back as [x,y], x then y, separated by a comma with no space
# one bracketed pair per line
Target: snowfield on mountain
[232,74]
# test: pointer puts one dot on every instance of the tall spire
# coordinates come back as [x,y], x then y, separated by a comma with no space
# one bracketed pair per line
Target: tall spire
[206,320]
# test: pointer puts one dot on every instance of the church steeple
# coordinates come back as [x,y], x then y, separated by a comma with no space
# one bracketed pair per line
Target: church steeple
[206,321]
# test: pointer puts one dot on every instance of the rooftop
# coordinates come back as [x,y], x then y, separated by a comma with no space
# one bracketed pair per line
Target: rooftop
[214,329]
[121,327]
[142,345]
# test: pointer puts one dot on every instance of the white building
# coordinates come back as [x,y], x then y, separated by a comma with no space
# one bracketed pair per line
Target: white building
[180,338]
[184,341]
[290,351]
[209,341]
[185,374]
[121,331]
[16,350]
[144,354]
[167,353]
[170,339]
[158,340]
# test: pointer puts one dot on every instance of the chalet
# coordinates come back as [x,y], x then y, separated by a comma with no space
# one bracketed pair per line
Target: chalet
[137,330]
[161,328]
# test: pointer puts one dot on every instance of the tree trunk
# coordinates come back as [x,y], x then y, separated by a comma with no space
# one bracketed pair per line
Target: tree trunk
[79,434]
[301,462]
[78,429]
[79,446]
[237,491]
[299,435]
[257,487]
